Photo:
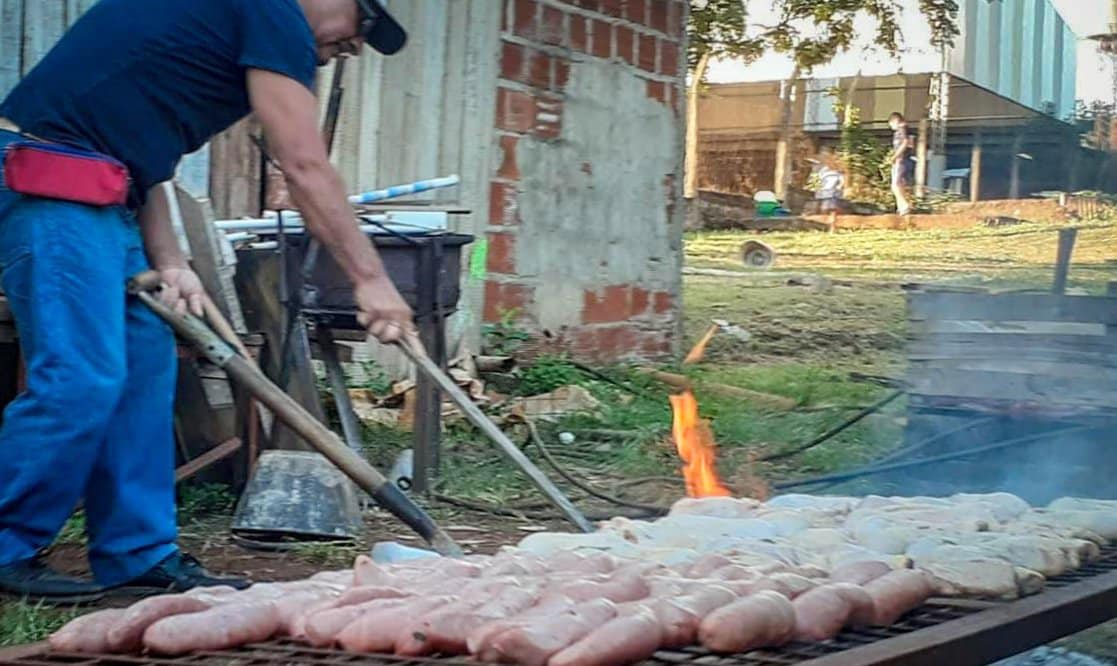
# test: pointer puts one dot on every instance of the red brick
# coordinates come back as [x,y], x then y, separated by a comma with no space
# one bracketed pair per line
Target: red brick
[502,297]
[526,21]
[592,5]
[502,254]
[602,39]
[548,118]
[674,19]
[508,167]
[657,90]
[584,341]
[614,341]
[503,207]
[538,69]
[657,14]
[579,37]
[655,344]
[512,61]
[640,301]
[515,110]
[562,73]
[626,41]
[614,8]
[551,30]
[636,11]
[646,60]
[610,306]
[663,301]
[668,58]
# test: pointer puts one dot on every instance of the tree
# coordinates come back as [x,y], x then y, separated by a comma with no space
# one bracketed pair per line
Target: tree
[811,32]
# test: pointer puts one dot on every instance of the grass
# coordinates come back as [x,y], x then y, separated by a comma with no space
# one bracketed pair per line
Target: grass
[22,622]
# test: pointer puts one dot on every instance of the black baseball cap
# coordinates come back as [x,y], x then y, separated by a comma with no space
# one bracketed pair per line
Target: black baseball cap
[381,31]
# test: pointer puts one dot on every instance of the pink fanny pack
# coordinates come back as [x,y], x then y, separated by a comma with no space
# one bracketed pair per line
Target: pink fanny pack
[56,171]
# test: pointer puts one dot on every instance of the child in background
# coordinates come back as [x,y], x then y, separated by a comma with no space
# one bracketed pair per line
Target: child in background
[831,182]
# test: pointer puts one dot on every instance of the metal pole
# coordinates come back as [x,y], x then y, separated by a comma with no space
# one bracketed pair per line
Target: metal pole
[1062,260]
[414,350]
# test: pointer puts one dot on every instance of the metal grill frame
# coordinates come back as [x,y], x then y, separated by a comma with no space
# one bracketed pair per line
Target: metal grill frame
[958,632]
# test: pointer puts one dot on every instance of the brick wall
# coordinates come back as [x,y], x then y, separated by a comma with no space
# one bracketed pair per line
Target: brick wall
[600,309]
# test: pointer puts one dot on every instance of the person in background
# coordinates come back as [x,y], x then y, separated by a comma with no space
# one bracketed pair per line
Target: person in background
[898,159]
[830,185]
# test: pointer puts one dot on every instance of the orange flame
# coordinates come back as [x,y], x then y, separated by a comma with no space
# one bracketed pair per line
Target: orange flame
[695,444]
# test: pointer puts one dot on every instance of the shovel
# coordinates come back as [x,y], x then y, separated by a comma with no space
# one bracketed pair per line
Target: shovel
[294,416]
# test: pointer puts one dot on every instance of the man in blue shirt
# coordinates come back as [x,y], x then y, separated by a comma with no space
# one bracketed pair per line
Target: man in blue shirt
[145,82]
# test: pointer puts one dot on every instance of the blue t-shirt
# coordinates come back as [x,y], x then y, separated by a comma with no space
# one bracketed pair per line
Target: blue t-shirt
[148,81]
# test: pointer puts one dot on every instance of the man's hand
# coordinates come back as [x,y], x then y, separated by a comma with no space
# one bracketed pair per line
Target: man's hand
[383,311]
[182,289]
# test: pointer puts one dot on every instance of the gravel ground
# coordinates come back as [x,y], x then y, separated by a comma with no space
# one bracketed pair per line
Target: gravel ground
[1052,656]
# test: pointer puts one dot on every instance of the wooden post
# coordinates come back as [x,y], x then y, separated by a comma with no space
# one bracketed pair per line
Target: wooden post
[975,168]
[921,161]
[1062,260]
[1014,180]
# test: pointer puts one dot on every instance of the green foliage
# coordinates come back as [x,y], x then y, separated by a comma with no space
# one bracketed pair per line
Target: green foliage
[198,500]
[375,379]
[549,373]
[505,336]
[864,159]
[74,529]
[812,32]
[22,622]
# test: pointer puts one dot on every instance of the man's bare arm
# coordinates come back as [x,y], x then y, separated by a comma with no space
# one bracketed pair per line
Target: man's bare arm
[289,114]
[182,288]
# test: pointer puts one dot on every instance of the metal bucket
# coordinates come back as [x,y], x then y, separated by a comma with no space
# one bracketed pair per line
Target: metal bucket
[296,497]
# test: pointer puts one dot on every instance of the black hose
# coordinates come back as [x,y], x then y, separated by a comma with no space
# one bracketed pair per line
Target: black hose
[574,481]
[831,433]
[880,469]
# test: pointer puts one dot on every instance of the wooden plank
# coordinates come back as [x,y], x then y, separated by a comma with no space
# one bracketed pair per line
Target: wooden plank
[207,257]
[11,44]
[1012,386]
[235,171]
[44,24]
[1013,307]
[214,455]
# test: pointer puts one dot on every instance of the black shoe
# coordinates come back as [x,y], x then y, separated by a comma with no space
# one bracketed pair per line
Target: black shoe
[34,579]
[179,572]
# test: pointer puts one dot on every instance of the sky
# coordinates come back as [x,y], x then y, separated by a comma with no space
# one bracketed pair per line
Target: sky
[1085,17]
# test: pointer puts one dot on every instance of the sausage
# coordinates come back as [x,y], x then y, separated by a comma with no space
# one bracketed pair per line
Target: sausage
[792,585]
[707,564]
[678,627]
[292,608]
[128,633]
[622,640]
[820,614]
[534,643]
[702,603]
[734,572]
[619,588]
[359,595]
[897,592]
[378,630]
[218,628]
[861,608]
[88,633]
[765,619]
[859,573]
[445,630]
[547,606]
[321,628]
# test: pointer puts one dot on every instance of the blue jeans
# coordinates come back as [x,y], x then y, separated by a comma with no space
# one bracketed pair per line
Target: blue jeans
[95,422]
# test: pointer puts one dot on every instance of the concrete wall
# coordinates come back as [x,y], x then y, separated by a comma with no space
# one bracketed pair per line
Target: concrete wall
[585,221]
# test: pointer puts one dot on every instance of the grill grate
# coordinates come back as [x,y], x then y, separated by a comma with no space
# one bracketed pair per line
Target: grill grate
[293,653]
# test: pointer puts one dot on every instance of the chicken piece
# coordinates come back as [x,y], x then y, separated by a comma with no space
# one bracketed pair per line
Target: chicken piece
[1101,522]
[792,585]
[87,633]
[218,628]
[546,544]
[975,577]
[819,539]
[1005,506]
[859,573]
[127,633]
[826,504]
[718,507]
[622,640]
[896,593]
[821,613]
[380,630]
[765,619]
[1082,504]
[532,644]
